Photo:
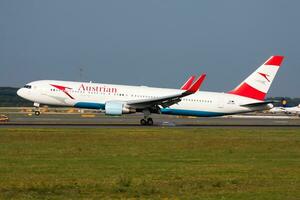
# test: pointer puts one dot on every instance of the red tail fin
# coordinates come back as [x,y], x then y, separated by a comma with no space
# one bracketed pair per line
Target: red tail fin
[258,83]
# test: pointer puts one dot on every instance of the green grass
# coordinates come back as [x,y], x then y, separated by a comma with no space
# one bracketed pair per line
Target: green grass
[158,163]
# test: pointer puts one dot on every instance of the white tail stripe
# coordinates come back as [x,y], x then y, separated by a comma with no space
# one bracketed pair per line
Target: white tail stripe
[262,78]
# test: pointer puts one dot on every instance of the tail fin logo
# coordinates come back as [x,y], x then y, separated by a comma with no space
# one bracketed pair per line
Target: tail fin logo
[258,83]
[265,76]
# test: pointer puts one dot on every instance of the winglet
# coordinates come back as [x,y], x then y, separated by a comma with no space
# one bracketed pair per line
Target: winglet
[188,83]
[195,87]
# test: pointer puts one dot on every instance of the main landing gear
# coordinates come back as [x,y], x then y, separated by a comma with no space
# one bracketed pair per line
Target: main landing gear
[147,121]
[36,109]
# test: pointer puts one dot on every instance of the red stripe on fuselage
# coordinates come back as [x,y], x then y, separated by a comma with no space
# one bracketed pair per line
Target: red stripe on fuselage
[246,90]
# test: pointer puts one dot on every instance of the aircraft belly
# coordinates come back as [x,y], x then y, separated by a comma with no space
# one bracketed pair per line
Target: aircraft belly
[202,110]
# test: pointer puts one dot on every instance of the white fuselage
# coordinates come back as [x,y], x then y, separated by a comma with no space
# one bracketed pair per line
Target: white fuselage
[288,110]
[95,96]
[293,110]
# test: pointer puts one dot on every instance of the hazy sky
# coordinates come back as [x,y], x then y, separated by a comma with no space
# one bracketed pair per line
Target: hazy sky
[152,42]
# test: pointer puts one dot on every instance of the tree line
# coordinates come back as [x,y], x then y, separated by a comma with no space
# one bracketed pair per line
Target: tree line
[9,98]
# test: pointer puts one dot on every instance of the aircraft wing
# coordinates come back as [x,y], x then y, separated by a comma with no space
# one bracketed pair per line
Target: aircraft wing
[166,101]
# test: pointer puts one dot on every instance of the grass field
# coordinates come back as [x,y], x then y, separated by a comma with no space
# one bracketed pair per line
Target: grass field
[158,163]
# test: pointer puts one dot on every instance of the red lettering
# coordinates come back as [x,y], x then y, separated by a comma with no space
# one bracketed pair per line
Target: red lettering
[81,87]
[97,88]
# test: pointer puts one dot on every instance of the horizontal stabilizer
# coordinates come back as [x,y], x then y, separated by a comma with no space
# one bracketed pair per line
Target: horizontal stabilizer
[259,103]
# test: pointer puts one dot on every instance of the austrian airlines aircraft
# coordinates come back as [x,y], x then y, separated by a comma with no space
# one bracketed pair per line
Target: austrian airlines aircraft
[121,99]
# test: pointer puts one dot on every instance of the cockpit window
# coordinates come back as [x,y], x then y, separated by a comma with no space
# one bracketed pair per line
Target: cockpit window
[27,86]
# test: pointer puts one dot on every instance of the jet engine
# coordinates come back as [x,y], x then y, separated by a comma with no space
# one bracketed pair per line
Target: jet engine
[117,108]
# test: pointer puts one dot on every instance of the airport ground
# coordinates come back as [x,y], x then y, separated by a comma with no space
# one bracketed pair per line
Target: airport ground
[71,155]
[65,117]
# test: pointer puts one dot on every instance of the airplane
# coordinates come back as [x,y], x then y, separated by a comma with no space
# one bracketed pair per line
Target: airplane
[287,110]
[247,97]
[293,110]
[275,110]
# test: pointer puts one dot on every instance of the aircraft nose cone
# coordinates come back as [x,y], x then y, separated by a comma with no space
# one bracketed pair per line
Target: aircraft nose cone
[20,92]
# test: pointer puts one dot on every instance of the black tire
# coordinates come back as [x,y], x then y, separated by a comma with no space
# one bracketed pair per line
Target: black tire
[143,122]
[37,113]
[150,121]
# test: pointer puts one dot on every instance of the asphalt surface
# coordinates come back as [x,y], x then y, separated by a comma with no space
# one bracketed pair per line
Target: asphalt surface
[100,120]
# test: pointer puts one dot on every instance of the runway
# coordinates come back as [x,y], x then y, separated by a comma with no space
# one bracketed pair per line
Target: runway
[100,120]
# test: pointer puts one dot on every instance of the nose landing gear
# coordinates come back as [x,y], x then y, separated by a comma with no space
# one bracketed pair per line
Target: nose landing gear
[36,109]
[37,113]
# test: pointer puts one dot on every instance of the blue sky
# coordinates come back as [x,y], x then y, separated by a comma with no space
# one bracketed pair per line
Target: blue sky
[154,43]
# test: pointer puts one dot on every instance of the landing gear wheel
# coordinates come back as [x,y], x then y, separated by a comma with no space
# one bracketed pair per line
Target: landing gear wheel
[37,113]
[143,122]
[150,121]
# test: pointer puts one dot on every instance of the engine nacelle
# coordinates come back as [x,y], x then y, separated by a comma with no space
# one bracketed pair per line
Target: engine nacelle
[270,106]
[117,108]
